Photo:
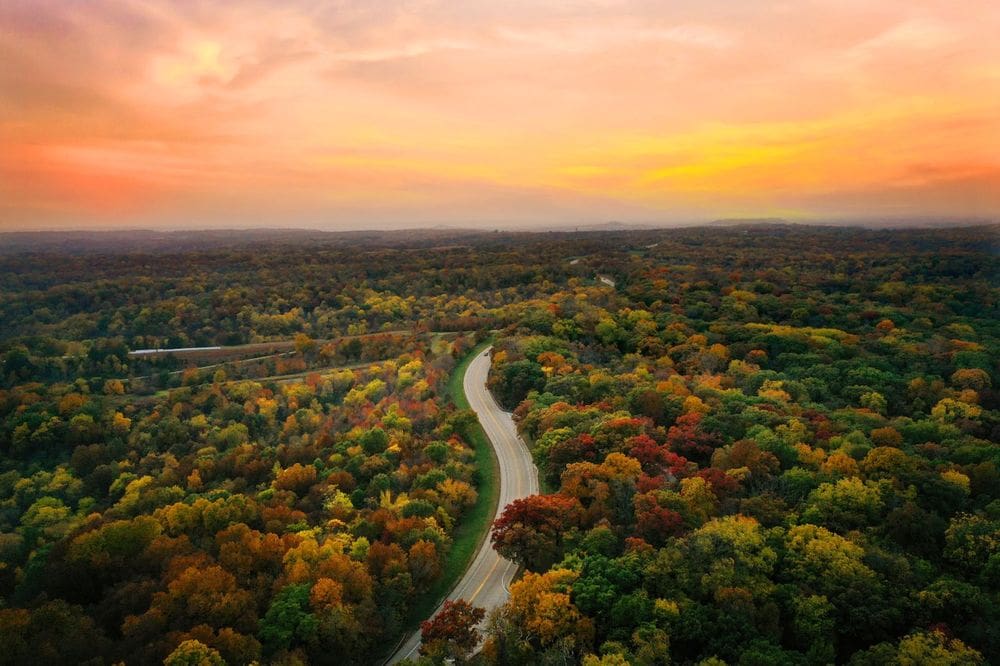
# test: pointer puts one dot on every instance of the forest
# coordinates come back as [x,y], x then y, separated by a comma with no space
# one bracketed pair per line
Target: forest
[758,444]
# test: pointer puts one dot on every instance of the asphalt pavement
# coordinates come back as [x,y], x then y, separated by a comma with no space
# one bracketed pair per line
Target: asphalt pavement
[487,580]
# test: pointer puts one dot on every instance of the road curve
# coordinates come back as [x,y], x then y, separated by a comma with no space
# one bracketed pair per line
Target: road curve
[486,581]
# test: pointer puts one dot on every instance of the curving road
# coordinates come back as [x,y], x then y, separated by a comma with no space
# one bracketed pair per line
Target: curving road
[487,578]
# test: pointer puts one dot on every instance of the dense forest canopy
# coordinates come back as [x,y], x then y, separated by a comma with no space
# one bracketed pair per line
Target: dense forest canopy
[759,445]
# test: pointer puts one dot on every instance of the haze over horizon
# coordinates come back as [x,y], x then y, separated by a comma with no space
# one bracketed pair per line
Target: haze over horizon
[126,114]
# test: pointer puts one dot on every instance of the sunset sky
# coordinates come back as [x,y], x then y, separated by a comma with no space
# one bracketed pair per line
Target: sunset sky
[376,114]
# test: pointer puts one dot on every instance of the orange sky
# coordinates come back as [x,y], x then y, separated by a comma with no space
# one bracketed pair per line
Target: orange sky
[368,114]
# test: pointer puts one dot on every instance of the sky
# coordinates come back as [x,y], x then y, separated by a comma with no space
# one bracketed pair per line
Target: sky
[379,114]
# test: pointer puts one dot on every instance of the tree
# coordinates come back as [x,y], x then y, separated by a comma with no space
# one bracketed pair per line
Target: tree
[917,530]
[813,627]
[198,595]
[655,522]
[297,478]
[925,648]
[515,380]
[541,610]
[606,491]
[566,452]
[971,541]
[655,458]
[731,552]
[424,562]
[845,505]
[304,344]
[453,632]
[761,465]
[374,441]
[973,378]
[52,632]
[826,564]
[531,530]
[690,440]
[937,649]
[824,561]
[655,405]
[737,375]
[194,653]
[288,620]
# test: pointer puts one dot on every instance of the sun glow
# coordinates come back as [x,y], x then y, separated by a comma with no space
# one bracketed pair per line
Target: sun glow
[147,112]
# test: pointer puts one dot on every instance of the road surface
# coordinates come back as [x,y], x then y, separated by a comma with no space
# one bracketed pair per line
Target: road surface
[174,350]
[486,581]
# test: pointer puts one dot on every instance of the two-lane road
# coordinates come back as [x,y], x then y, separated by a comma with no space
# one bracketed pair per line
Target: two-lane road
[486,581]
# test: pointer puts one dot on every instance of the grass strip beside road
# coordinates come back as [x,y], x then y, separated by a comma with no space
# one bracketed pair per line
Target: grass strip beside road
[473,527]
[544,487]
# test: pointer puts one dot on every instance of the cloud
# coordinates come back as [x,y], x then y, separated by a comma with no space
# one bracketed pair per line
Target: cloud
[584,38]
[402,51]
[149,110]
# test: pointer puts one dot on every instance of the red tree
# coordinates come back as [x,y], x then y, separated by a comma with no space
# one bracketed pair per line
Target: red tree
[655,458]
[655,523]
[452,632]
[688,439]
[530,530]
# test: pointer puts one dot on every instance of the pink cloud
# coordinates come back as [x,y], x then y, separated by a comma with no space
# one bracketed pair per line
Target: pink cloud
[411,108]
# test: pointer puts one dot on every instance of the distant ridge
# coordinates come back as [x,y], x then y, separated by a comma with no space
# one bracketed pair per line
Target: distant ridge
[611,225]
[160,241]
[743,221]
[868,223]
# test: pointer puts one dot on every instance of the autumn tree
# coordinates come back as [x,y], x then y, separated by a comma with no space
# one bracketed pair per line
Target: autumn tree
[531,531]
[453,632]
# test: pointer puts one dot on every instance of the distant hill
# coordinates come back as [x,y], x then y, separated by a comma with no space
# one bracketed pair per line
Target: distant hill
[144,240]
[159,241]
[741,221]
[868,223]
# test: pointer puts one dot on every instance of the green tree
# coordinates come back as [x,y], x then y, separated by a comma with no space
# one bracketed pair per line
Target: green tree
[515,380]
[288,621]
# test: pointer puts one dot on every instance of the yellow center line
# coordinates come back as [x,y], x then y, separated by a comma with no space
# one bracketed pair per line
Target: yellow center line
[485,579]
